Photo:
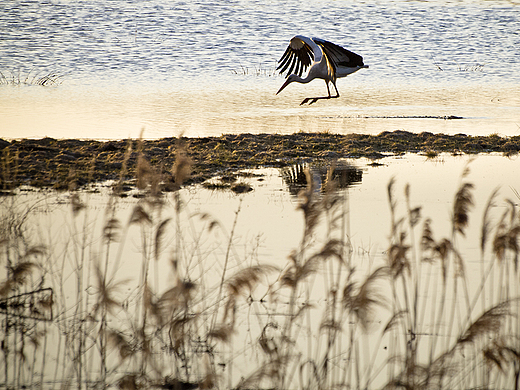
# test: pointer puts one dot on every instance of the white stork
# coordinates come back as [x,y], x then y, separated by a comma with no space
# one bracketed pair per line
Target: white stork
[327,61]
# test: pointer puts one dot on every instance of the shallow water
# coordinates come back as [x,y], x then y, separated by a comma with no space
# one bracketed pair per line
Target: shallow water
[268,217]
[268,227]
[207,68]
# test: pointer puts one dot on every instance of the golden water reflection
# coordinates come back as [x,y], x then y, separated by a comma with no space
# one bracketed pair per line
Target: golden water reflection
[122,112]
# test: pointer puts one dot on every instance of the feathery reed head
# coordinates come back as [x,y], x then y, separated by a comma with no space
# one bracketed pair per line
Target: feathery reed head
[17,276]
[461,207]
[486,220]
[182,167]
[490,321]
[247,278]
[120,343]
[362,300]
[398,256]
[310,206]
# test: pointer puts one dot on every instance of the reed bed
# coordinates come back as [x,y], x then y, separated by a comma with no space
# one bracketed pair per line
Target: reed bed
[74,315]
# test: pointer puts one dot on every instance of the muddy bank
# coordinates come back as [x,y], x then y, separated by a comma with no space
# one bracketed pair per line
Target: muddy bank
[55,163]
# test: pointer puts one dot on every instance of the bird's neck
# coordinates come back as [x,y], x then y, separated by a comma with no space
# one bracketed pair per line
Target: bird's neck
[303,80]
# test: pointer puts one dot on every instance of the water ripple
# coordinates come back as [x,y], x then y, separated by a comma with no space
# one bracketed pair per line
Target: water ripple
[143,40]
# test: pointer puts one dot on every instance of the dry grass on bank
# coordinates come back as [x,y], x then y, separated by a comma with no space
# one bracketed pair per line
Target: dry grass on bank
[47,162]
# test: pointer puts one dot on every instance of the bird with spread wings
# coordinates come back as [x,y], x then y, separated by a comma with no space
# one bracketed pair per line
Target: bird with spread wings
[326,60]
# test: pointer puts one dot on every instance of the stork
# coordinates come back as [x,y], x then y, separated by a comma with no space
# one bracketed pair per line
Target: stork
[327,61]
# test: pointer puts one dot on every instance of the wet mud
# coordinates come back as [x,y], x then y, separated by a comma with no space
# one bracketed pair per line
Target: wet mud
[54,163]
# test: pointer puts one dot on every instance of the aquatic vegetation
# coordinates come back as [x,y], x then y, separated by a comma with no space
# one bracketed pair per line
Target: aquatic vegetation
[42,78]
[431,154]
[47,162]
[257,70]
[75,316]
[471,68]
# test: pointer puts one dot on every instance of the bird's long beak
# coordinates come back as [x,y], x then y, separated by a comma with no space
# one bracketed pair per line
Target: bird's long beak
[287,82]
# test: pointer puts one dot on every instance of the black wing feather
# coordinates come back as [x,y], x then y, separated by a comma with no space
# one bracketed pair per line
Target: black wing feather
[283,60]
[293,62]
[296,60]
[286,54]
[339,55]
[284,64]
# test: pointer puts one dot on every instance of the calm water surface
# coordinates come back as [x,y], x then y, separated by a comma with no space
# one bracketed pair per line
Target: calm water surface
[207,68]
[268,227]
[268,217]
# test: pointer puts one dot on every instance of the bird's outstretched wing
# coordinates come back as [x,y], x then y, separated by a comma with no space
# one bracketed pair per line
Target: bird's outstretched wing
[338,55]
[297,57]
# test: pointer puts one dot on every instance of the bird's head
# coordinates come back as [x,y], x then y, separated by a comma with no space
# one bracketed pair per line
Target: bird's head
[289,80]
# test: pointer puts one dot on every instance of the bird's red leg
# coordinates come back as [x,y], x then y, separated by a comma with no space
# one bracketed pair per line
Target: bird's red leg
[337,92]
[312,100]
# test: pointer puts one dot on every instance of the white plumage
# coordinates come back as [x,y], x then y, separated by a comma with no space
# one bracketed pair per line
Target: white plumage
[327,61]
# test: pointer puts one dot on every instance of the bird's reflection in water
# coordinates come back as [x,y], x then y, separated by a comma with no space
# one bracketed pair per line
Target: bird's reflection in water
[344,174]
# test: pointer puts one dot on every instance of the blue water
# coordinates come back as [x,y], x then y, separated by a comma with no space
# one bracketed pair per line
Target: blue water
[155,41]
[114,48]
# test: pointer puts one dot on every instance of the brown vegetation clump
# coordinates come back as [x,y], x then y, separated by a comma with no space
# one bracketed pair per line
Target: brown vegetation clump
[46,162]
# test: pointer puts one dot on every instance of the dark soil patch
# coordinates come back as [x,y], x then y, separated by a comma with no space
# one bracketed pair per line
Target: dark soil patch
[55,163]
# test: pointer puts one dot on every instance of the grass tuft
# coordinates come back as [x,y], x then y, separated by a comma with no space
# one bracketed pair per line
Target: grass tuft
[41,78]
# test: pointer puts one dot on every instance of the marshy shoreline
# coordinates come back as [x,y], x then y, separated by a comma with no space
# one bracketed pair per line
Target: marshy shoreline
[54,163]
